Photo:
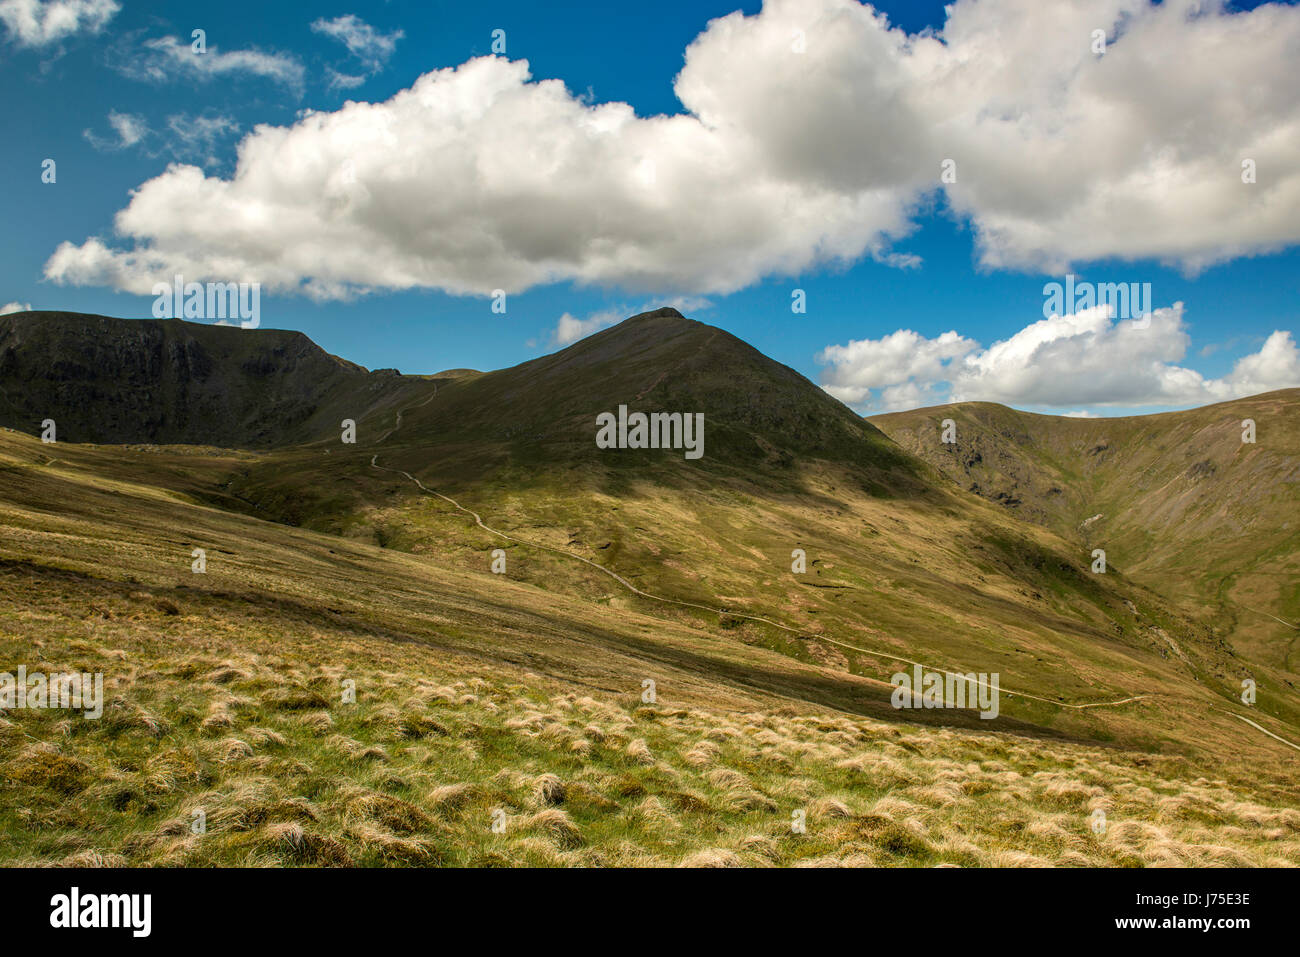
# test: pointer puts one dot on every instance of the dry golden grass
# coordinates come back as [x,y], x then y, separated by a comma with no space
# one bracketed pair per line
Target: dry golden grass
[480,701]
[370,783]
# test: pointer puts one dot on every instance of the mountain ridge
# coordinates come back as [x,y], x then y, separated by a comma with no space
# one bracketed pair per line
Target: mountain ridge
[1180,499]
[168,381]
[901,565]
[177,382]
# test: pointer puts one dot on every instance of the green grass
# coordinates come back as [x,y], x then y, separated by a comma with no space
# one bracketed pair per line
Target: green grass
[251,730]
[478,694]
[519,693]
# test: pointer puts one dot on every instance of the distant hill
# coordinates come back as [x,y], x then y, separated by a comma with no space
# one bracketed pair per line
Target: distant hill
[501,590]
[168,381]
[759,414]
[901,563]
[1178,499]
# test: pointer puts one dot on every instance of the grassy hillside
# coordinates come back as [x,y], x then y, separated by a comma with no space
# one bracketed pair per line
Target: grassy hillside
[520,692]
[481,699]
[1177,500]
[902,567]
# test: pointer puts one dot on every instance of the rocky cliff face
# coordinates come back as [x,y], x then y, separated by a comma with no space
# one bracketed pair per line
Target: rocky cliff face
[168,381]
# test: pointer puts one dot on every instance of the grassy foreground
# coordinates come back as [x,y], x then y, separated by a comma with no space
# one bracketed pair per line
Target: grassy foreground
[483,700]
[245,725]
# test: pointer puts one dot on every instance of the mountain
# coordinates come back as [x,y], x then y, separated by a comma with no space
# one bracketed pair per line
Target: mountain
[1180,501]
[173,382]
[499,589]
[918,570]
[901,563]
[759,413]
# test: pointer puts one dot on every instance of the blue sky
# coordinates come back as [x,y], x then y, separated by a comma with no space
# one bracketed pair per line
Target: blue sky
[114,106]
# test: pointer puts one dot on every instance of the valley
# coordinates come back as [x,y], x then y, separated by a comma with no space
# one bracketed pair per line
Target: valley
[526,690]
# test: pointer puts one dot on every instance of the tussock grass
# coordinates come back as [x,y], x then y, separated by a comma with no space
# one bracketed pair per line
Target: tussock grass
[384,782]
[473,706]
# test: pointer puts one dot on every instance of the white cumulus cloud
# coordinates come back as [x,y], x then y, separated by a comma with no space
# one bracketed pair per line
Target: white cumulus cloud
[128,130]
[12,307]
[903,361]
[1083,359]
[569,329]
[812,135]
[199,136]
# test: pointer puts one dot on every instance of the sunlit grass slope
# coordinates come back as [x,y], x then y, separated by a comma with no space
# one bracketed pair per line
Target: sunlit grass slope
[1179,500]
[483,700]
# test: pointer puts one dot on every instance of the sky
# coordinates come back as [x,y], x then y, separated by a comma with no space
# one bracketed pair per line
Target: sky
[880,197]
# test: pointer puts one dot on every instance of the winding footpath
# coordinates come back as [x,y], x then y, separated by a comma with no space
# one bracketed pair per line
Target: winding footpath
[879,653]
[1265,730]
